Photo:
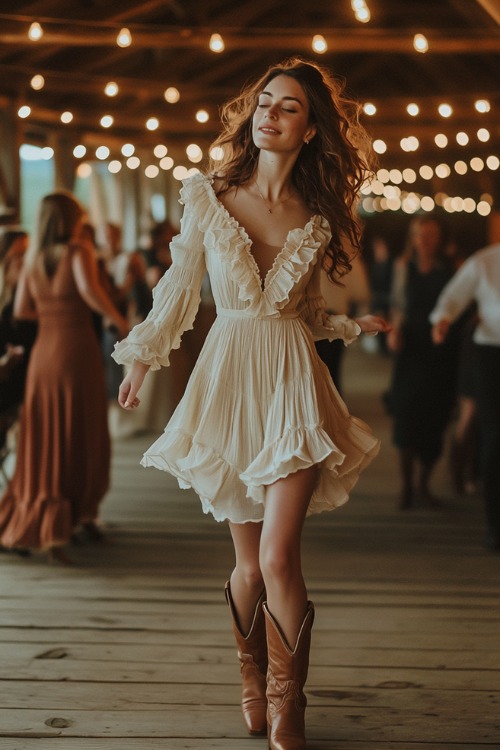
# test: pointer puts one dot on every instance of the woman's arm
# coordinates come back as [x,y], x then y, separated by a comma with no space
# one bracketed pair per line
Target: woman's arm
[24,304]
[86,275]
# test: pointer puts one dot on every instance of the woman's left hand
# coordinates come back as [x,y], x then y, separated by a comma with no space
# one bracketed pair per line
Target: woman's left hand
[373,324]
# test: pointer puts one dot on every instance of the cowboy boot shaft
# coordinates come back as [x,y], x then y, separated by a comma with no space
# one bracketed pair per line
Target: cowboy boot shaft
[252,655]
[286,677]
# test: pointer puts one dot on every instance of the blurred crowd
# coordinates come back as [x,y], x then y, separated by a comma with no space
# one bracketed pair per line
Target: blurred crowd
[432,399]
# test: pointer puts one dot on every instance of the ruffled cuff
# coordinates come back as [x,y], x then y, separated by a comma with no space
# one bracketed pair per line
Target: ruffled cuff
[152,340]
[333,327]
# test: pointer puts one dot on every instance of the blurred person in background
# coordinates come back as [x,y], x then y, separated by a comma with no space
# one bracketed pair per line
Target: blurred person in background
[63,457]
[478,280]
[423,388]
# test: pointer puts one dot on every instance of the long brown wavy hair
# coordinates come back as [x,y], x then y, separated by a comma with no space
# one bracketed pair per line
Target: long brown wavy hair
[58,217]
[329,171]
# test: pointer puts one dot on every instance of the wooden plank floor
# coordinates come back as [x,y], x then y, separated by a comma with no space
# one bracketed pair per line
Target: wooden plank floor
[131,648]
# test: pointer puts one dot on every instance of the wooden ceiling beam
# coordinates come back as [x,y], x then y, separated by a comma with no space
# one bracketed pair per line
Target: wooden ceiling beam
[492,8]
[348,41]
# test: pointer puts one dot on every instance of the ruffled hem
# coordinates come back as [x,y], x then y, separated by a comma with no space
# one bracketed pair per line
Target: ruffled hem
[230,494]
[43,524]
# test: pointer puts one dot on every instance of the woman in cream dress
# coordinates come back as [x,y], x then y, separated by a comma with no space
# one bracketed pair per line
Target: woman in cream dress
[261,434]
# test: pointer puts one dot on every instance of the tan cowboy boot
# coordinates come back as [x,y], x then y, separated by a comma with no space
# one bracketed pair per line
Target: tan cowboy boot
[252,653]
[286,677]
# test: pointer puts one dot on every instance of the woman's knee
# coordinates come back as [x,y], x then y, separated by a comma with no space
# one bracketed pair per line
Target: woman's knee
[279,563]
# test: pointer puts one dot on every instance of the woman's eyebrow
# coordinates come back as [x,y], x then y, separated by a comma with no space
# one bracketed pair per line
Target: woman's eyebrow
[287,98]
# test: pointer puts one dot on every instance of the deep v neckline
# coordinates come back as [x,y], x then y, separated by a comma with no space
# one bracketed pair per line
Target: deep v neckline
[263,281]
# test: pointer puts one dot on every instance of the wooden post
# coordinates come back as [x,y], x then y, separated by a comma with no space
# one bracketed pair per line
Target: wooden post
[10,168]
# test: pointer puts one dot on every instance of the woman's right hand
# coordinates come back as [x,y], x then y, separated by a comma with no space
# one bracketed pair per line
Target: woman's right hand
[127,394]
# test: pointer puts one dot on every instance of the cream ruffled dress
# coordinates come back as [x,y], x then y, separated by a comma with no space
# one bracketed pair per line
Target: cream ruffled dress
[260,404]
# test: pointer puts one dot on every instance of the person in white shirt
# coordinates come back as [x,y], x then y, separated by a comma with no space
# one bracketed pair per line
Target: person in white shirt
[478,279]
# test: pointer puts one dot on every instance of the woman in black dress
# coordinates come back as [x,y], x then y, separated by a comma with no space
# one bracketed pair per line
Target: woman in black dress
[422,392]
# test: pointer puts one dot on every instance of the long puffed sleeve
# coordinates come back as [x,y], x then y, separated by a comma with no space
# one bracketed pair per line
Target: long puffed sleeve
[176,297]
[322,324]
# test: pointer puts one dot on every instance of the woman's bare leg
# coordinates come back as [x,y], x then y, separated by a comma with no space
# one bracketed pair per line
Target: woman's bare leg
[287,501]
[246,578]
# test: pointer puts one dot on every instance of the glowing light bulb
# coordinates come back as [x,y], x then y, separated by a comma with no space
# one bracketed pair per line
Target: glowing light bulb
[369,109]
[319,44]
[379,146]
[24,112]
[420,43]
[217,153]
[171,95]
[202,116]
[66,117]
[160,151]
[128,149]
[107,121]
[216,43]
[153,123]
[102,152]
[482,105]
[35,32]
[79,151]
[111,88]
[413,109]
[37,82]
[445,110]
[124,38]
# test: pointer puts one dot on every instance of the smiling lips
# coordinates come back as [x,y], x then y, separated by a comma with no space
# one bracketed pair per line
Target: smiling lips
[267,129]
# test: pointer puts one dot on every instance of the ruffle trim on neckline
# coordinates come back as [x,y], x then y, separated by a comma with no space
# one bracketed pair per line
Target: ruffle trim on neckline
[228,238]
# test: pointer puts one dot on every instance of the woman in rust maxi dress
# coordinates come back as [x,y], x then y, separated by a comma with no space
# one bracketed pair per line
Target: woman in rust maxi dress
[63,458]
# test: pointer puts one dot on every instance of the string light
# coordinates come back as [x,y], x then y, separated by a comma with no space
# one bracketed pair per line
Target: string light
[180,172]
[477,164]
[482,105]
[66,117]
[413,109]
[102,152]
[79,151]
[24,112]
[483,208]
[167,162]
[128,149]
[445,110]
[124,38]
[114,166]
[426,172]
[460,167]
[84,170]
[171,95]
[35,32]
[441,140]
[202,116]
[194,153]
[379,146]
[483,135]
[111,88]
[319,44]
[420,43]
[217,153]
[361,10]
[37,82]
[462,138]
[442,170]
[369,109]
[153,123]
[216,43]
[160,151]
[133,162]
[107,121]
[493,162]
[152,171]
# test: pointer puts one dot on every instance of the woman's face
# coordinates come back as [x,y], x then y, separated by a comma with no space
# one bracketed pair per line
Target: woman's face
[427,238]
[281,120]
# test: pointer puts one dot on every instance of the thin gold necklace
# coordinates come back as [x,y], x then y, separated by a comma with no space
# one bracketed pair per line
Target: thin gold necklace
[270,208]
